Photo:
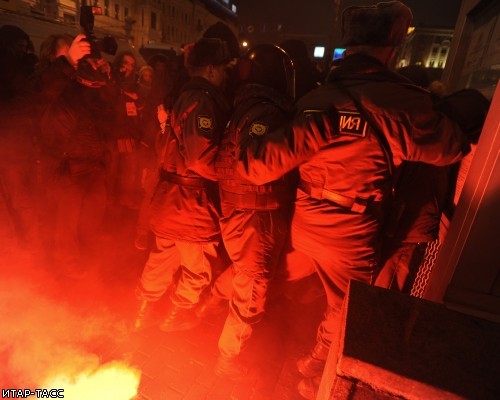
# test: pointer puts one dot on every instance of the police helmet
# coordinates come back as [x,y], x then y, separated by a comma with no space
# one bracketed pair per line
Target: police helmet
[268,65]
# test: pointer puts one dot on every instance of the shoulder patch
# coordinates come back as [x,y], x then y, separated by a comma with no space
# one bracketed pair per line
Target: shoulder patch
[352,123]
[205,123]
[258,128]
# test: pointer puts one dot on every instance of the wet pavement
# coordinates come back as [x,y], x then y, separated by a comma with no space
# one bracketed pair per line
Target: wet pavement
[177,365]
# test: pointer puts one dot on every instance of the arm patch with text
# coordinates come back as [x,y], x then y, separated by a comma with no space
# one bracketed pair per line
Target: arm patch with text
[352,123]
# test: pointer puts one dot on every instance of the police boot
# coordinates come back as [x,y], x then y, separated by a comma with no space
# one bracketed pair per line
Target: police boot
[314,363]
[143,315]
[308,387]
[230,367]
[179,319]
[213,305]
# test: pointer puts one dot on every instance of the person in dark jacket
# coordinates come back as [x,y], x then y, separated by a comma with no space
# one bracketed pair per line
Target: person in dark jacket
[255,218]
[124,134]
[421,193]
[345,177]
[73,145]
[148,159]
[59,55]
[185,207]
[17,127]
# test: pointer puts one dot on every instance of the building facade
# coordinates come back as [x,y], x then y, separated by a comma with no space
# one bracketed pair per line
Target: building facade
[428,47]
[474,60]
[166,23]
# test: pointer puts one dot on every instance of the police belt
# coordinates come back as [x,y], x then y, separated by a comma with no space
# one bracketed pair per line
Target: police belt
[199,183]
[257,200]
[357,204]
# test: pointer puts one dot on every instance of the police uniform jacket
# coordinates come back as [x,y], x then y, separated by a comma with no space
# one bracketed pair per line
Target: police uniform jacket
[346,176]
[186,204]
[258,110]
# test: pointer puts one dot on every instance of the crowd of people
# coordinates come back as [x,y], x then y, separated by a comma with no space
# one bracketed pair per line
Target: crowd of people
[247,171]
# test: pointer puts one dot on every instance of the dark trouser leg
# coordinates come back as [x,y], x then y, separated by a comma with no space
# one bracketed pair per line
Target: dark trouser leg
[296,277]
[112,174]
[157,275]
[417,266]
[335,277]
[195,275]
[223,285]
[399,267]
[255,253]
[128,178]
[245,309]
[196,272]
[162,264]
[68,197]
[80,203]
[149,186]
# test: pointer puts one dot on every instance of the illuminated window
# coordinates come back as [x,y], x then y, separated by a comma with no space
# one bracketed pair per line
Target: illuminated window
[337,53]
[319,51]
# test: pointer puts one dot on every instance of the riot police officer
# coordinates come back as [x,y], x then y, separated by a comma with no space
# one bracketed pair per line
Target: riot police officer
[345,175]
[185,208]
[255,218]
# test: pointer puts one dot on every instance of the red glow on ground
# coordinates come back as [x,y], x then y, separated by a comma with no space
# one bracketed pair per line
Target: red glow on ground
[54,333]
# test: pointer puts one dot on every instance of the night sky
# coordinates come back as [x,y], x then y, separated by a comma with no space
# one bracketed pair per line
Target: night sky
[315,16]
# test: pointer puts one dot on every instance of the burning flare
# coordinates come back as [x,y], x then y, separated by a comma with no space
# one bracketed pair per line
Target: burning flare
[113,381]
